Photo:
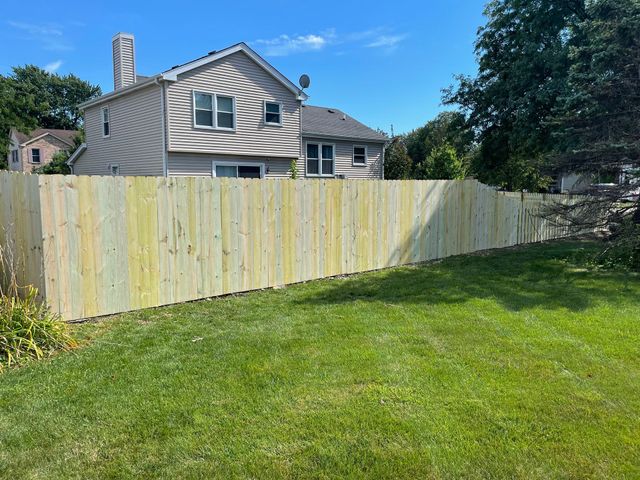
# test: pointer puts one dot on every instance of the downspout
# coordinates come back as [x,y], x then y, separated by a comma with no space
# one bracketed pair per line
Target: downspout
[165,167]
[384,148]
[301,147]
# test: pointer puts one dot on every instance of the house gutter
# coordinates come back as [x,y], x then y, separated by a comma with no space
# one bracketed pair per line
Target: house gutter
[384,149]
[324,136]
[118,93]
[74,156]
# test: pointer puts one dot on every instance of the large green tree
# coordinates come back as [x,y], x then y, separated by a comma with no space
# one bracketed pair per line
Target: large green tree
[13,107]
[31,97]
[598,122]
[523,61]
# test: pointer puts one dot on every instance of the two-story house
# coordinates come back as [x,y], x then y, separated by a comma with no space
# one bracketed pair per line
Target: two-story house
[30,151]
[229,113]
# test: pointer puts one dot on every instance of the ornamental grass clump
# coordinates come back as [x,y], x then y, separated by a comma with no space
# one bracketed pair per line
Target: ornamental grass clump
[28,329]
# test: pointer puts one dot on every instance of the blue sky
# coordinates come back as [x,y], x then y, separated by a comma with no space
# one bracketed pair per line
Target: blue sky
[382,62]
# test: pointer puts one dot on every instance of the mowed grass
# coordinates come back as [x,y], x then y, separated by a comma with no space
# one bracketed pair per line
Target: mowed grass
[517,364]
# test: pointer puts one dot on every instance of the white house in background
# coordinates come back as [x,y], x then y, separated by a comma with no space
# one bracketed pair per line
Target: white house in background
[227,114]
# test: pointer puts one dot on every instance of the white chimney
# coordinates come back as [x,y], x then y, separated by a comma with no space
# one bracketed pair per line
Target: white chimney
[124,60]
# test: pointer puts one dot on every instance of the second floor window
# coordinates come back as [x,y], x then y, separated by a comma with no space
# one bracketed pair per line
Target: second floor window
[204,109]
[225,112]
[214,111]
[106,122]
[272,113]
[35,155]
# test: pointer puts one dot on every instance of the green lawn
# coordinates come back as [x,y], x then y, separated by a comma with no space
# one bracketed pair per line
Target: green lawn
[517,364]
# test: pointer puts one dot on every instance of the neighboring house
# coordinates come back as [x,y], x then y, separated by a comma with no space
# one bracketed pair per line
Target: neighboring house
[229,113]
[569,182]
[27,152]
[574,183]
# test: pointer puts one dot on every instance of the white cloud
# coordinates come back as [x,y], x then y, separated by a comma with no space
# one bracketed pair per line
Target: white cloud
[286,45]
[50,36]
[387,42]
[53,66]
[282,45]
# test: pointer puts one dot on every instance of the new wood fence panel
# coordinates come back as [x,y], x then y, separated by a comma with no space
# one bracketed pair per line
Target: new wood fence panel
[21,230]
[102,245]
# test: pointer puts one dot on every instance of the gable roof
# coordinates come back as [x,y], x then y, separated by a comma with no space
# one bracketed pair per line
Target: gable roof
[171,75]
[331,122]
[65,136]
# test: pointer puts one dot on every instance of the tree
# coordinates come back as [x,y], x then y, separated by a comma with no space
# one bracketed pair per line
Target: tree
[442,163]
[599,117]
[31,97]
[397,163]
[58,96]
[14,105]
[598,123]
[522,71]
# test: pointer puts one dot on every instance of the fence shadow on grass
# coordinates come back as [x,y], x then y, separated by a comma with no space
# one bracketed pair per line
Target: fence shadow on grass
[518,279]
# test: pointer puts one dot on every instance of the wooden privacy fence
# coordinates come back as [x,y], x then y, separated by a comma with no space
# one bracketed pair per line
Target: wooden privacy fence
[100,245]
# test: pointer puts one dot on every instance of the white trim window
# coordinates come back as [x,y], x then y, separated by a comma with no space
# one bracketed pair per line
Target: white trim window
[14,156]
[360,155]
[114,169]
[321,159]
[35,156]
[106,122]
[272,113]
[237,169]
[214,111]
[203,110]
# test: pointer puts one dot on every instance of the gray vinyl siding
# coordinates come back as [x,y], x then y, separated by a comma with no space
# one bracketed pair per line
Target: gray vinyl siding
[238,76]
[195,165]
[135,142]
[124,73]
[344,158]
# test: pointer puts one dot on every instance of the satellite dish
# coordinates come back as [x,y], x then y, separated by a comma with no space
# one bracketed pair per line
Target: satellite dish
[304,81]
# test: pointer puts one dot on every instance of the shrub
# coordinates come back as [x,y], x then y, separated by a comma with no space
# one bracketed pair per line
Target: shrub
[28,329]
[442,163]
[57,165]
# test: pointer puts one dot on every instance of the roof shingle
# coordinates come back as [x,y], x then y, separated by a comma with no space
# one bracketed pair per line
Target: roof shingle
[335,123]
[64,135]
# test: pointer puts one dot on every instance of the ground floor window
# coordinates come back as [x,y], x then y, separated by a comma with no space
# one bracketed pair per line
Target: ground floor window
[14,156]
[35,155]
[238,170]
[320,159]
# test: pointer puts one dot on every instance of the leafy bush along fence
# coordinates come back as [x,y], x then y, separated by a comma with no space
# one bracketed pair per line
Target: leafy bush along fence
[100,245]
